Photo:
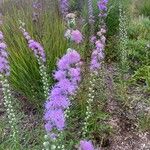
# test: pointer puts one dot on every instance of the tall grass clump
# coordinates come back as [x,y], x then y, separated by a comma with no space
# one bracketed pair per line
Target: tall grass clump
[39,53]
[138,45]
[25,76]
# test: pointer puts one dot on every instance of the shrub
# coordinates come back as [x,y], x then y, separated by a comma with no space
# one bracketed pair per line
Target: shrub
[138,54]
[143,7]
[142,25]
[143,74]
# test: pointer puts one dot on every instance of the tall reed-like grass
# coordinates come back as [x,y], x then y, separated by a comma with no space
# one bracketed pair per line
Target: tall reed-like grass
[49,29]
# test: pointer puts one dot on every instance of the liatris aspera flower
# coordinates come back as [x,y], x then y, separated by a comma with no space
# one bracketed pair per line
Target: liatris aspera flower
[102,5]
[4,65]
[64,7]
[97,55]
[37,49]
[37,7]
[76,36]
[4,73]
[68,76]
[86,145]
[72,34]
[39,53]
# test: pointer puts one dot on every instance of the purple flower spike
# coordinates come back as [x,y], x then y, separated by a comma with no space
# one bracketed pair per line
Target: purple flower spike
[98,53]
[86,145]
[97,56]
[4,64]
[38,50]
[64,7]
[68,76]
[37,5]
[102,5]
[76,36]
[35,46]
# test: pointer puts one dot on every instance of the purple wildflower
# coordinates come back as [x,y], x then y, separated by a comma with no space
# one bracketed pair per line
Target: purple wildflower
[74,72]
[86,145]
[64,7]
[59,101]
[97,56]
[66,61]
[55,118]
[67,75]
[48,127]
[4,64]
[93,39]
[60,74]
[66,85]
[37,5]
[35,46]
[98,53]
[38,50]
[102,5]
[76,36]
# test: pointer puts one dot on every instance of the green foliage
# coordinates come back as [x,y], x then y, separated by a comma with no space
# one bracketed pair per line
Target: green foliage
[143,73]
[31,135]
[143,7]
[138,46]
[139,55]
[112,20]
[139,28]
[144,122]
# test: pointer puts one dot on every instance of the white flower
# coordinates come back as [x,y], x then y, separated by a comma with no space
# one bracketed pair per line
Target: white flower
[68,34]
[71,16]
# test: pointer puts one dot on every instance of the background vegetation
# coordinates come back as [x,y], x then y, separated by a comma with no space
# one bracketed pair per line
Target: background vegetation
[48,28]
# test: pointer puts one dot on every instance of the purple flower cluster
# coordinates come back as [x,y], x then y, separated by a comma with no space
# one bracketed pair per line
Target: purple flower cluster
[68,76]
[4,64]
[74,35]
[64,7]
[37,5]
[86,145]
[37,49]
[102,5]
[35,46]
[98,52]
